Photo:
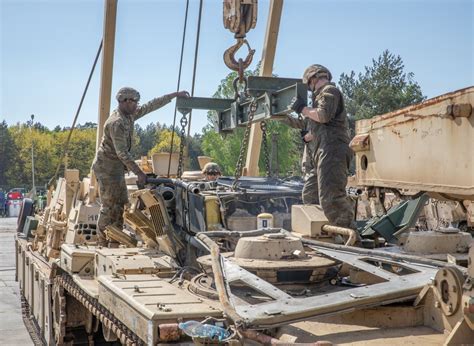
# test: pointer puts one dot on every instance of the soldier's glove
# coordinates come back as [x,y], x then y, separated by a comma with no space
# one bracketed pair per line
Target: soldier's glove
[141,179]
[297,105]
[303,134]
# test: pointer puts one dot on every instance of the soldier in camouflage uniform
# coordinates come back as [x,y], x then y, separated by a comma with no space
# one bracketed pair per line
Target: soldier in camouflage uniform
[327,154]
[113,157]
[211,171]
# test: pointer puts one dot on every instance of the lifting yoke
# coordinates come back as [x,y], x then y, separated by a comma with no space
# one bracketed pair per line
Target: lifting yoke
[273,97]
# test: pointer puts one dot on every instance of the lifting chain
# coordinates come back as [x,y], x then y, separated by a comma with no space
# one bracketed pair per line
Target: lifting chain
[266,158]
[184,123]
[245,141]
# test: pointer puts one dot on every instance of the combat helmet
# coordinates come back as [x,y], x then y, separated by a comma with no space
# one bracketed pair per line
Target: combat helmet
[316,71]
[211,168]
[127,93]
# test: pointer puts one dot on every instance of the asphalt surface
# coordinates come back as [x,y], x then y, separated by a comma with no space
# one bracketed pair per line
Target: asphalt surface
[12,329]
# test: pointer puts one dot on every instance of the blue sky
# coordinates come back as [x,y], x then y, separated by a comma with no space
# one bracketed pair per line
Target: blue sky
[47,48]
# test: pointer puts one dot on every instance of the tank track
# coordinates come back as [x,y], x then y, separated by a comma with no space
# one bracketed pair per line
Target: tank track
[30,323]
[124,334]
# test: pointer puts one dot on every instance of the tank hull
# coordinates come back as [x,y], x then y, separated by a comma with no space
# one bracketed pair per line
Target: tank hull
[425,147]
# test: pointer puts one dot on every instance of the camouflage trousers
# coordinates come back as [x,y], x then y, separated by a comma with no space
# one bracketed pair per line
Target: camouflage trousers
[325,184]
[113,197]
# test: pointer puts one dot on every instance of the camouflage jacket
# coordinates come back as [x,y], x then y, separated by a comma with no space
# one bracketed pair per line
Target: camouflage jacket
[334,130]
[334,126]
[113,156]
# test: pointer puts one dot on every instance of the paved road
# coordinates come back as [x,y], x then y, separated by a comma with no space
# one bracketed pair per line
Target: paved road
[12,329]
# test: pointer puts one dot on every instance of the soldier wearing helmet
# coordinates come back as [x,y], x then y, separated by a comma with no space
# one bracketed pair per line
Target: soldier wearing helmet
[113,157]
[211,171]
[327,154]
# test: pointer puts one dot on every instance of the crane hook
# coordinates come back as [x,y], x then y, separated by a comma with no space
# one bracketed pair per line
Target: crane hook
[240,65]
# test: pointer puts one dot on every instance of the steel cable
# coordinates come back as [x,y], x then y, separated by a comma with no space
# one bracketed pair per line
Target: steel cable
[196,50]
[179,83]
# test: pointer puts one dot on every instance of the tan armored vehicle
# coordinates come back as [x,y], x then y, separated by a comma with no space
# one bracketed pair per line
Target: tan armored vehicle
[240,260]
[192,250]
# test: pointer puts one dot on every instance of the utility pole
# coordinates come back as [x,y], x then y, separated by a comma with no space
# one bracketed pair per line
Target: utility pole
[110,17]
[33,189]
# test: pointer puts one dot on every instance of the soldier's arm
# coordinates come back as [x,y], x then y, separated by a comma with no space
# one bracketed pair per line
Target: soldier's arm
[328,102]
[119,135]
[153,105]
[296,123]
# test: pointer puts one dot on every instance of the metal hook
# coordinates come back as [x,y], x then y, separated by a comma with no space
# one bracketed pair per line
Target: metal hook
[229,56]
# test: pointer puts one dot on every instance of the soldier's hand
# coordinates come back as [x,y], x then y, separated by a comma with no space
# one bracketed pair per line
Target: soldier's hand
[297,105]
[308,138]
[141,179]
[182,93]
[303,133]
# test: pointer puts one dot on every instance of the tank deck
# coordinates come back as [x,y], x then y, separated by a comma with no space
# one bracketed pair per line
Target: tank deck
[341,334]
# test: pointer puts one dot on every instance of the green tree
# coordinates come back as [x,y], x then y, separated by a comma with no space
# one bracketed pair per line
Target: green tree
[144,139]
[163,142]
[194,150]
[19,170]
[7,153]
[382,88]
[81,148]
[87,125]
[224,151]
[136,149]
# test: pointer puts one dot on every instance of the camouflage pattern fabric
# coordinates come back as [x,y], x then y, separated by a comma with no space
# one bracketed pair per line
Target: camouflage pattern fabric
[317,71]
[211,167]
[327,157]
[113,155]
[127,93]
[325,184]
[113,197]
[113,158]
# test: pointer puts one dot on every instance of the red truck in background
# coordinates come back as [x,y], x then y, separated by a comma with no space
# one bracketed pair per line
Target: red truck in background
[13,202]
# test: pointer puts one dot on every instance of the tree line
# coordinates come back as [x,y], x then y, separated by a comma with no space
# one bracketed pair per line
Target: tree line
[382,87]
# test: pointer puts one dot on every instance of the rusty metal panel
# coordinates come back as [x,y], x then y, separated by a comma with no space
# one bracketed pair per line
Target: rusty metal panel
[142,302]
[425,147]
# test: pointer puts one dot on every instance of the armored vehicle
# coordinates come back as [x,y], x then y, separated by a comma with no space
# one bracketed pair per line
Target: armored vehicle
[240,260]
[195,250]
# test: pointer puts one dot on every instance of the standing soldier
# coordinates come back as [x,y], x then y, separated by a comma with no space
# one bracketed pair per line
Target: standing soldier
[113,157]
[327,152]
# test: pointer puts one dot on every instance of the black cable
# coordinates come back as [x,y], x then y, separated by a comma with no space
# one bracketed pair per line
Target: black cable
[195,60]
[66,145]
[179,82]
